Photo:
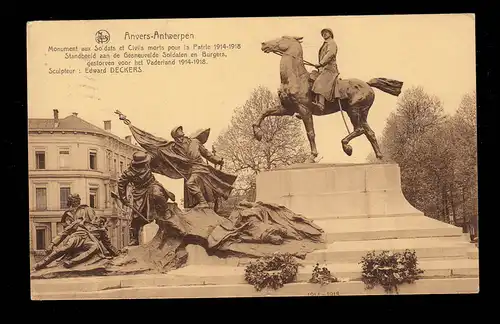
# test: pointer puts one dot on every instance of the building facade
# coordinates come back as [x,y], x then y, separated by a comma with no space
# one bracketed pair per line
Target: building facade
[71,156]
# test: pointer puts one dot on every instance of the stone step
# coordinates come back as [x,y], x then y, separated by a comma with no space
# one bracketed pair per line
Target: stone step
[385,228]
[473,253]
[344,251]
[352,288]
[220,275]
[227,275]
[321,217]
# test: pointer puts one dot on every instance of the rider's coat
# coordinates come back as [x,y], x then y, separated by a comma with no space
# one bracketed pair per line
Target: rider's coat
[324,84]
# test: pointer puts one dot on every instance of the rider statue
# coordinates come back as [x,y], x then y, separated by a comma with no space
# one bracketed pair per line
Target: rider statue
[325,84]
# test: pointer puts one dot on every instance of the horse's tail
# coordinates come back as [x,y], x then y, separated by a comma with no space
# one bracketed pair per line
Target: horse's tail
[389,86]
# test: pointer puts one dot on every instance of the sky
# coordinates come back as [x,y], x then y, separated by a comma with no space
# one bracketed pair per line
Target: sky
[436,52]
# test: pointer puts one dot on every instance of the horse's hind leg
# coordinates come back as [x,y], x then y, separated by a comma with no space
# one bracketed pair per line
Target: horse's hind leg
[274,111]
[370,135]
[354,115]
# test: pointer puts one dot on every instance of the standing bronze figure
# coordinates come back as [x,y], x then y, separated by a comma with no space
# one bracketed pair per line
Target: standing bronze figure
[149,196]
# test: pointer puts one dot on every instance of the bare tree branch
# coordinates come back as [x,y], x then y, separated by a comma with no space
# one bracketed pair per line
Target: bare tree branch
[283,141]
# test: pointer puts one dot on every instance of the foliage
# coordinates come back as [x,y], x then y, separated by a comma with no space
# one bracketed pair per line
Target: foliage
[272,271]
[283,143]
[436,153]
[323,276]
[389,269]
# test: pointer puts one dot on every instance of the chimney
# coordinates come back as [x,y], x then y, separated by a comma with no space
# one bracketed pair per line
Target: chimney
[128,138]
[56,117]
[75,114]
[107,125]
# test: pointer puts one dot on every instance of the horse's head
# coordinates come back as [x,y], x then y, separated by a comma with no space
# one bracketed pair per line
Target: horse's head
[285,44]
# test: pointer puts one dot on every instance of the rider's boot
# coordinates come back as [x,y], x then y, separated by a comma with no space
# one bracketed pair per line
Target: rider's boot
[321,103]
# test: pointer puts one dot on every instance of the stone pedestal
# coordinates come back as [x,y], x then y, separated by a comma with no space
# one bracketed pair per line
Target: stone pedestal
[320,191]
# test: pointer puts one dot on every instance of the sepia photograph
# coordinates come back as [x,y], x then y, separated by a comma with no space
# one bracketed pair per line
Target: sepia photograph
[252,157]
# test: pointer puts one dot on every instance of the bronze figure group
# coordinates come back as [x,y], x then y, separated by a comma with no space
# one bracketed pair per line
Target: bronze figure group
[84,236]
[302,94]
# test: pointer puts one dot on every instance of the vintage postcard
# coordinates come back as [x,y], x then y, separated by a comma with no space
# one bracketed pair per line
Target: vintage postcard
[252,157]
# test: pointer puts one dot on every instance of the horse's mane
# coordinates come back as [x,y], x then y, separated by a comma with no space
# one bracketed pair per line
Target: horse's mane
[297,38]
[298,76]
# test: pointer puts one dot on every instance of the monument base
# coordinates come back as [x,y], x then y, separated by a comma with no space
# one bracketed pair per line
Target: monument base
[360,208]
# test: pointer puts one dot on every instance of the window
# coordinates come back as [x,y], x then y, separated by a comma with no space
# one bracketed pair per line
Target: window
[114,165]
[40,238]
[93,160]
[121,166]
[93,199]
[40,159]
[64,193]
[64,158]
[41,198]
[107,195]
[108,156]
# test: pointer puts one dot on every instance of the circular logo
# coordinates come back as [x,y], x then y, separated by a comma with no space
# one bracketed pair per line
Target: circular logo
[102,36]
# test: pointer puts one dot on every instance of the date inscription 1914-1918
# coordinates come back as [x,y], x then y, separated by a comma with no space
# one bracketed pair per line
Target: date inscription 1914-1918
[327,293]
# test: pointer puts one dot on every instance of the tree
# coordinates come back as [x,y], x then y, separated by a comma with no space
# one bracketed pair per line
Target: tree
[283,142]
[436,153]
[465,145]
[409,140]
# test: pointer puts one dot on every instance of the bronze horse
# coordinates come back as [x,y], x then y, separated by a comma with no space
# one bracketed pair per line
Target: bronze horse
[296,96]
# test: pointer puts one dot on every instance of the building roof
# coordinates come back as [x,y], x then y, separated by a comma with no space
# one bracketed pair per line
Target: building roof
[70,122]
[73,123]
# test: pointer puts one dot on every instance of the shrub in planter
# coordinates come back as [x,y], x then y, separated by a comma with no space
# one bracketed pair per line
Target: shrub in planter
[272,271]
[389,269]
[322,276]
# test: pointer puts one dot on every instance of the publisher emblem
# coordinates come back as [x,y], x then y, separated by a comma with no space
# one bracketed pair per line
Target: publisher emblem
[102,36]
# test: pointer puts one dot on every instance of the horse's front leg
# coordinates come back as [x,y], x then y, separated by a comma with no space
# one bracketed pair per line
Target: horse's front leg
[307,118]
[274,111]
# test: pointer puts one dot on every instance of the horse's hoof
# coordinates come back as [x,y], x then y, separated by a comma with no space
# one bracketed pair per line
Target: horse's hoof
[347,149]
[310,159]
[257,132]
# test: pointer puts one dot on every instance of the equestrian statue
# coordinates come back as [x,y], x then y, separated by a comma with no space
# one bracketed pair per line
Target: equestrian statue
[322,92]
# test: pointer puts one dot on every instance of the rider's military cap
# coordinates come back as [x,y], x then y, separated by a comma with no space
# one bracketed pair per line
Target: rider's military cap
[327,30]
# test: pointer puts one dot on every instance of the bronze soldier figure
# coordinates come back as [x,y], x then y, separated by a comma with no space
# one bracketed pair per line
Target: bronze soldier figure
[325,85]
[182,158]
[82,241]
[200,185]
[67,219]
[149,196]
